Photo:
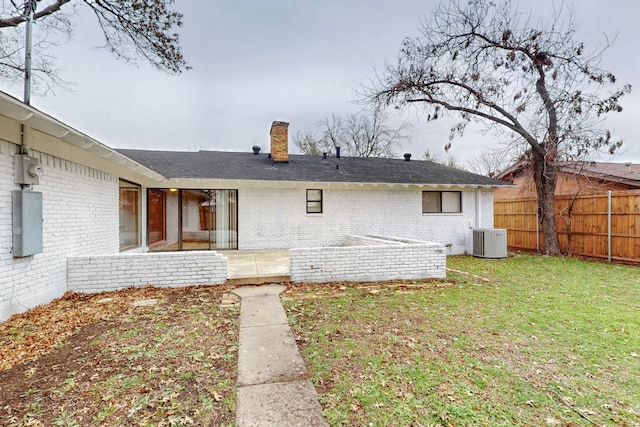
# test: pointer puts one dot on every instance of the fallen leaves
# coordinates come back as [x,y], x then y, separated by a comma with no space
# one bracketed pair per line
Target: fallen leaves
[100,360]
[32,334]
[36,332]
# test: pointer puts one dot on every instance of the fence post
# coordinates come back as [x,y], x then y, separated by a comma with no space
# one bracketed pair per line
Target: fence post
[537,228]
[609,226]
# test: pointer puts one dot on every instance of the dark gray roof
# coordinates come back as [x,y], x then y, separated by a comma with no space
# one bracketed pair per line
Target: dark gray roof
[247,166]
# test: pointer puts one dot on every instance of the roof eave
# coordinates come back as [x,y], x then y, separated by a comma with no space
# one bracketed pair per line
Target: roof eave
[37,120]
[234,183]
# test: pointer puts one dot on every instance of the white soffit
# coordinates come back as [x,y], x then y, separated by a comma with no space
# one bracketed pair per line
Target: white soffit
[206,183]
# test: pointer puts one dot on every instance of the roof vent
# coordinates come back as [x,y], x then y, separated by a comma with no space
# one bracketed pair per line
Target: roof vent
[407,156]
[324,156]
[256,150]
[628,165]
[337,152]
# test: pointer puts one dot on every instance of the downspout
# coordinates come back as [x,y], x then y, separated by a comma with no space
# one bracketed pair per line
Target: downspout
[478,208]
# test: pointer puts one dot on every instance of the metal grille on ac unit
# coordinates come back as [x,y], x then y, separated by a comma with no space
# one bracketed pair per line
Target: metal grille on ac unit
[490,243]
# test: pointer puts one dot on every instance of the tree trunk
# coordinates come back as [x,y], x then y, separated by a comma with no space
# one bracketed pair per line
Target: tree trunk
[545,177]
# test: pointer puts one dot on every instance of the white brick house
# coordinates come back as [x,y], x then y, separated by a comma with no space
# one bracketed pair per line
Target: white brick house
[302,201]
[97,201]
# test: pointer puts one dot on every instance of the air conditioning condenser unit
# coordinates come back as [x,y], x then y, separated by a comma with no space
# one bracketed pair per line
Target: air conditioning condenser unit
[490,242]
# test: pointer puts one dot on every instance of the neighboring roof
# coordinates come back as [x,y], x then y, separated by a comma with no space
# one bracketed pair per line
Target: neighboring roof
[624,173]
[247,166]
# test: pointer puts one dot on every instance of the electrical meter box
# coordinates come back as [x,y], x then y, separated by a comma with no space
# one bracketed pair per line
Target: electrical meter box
[27,170]
[27,223]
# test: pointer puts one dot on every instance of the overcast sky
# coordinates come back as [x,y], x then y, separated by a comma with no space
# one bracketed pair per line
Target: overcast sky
[297,61]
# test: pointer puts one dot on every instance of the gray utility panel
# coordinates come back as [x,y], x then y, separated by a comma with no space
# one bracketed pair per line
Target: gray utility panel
[27,223]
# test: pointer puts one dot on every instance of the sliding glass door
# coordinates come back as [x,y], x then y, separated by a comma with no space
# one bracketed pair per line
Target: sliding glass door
[192,219]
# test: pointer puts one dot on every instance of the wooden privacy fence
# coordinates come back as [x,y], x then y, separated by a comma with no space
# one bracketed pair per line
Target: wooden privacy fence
[603,225]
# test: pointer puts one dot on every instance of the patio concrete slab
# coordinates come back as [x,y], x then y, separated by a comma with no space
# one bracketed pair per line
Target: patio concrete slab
[279,404]
[243,264]
[273,384]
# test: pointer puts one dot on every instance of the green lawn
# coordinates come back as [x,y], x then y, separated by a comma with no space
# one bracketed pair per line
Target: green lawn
[543,341]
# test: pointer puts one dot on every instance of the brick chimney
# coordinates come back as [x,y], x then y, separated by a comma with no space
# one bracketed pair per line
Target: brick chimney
[279,141]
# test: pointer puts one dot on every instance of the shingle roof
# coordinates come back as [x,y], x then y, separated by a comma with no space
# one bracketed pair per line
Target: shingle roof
[247,166]
[625,173]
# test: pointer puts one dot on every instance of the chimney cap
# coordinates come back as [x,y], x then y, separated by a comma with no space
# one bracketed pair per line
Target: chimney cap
[279,123]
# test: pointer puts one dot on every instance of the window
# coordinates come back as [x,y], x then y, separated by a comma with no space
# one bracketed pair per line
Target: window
[129,215]
[314,201]
[441,202]
[192,219]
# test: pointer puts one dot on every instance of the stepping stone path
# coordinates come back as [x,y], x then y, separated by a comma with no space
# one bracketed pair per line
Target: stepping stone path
[145,302]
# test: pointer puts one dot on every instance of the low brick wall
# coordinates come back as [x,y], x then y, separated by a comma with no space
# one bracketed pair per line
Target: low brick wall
[369,241]
[370,260]
[162,269]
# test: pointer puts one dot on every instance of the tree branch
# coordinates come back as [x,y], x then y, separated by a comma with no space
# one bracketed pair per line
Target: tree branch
[511,122]
[19,19]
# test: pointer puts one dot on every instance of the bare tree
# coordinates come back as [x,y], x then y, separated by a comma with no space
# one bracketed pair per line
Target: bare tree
[309,144]
[133,29]
[481,60]
[367,135]
[334,133]
[332,136]
[359,135]
[491,162]
[450,161]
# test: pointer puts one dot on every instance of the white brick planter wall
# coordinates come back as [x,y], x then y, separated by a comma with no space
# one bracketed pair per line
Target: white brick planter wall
[161,269]
[369,261]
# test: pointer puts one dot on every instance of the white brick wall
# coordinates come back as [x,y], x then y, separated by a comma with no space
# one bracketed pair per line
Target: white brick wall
[277,219]
[161,269]
[368,262]
[368,241]
[80,217]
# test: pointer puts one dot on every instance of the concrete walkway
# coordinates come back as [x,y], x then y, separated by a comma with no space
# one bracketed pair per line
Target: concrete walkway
[256,267]
[273,385]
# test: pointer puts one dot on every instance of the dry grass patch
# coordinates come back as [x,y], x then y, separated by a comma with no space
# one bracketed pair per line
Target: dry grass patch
[99,360]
